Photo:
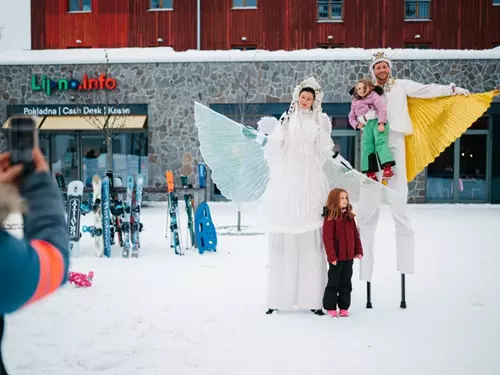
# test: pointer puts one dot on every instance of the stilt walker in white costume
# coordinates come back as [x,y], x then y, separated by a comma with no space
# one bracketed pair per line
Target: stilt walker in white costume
[286,168]
[424,120]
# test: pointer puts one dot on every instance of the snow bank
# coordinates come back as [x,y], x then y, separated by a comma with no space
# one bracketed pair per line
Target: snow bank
[167,54]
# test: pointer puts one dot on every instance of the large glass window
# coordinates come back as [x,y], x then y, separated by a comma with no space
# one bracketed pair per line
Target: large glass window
[346,146]
[63,156]
[94,153]
[130,155]
[462,172]
[439,182]
[473,157]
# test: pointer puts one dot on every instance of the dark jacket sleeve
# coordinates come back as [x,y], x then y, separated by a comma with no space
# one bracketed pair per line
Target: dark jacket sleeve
[329,239]
[37,265]
[358,248]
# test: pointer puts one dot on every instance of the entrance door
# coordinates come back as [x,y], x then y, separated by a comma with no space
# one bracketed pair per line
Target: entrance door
[63,156]
[94,152]
[462,173]
[473,176]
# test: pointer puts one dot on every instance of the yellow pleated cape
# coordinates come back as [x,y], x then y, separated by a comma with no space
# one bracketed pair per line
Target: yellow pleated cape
[437,123]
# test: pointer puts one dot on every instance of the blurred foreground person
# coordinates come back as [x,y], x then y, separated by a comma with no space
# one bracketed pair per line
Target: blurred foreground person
[35,266]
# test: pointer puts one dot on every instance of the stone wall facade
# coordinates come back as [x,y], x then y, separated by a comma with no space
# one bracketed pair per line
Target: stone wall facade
[170,89]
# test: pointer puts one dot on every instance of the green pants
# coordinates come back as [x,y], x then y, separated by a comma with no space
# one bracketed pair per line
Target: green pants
[375,144]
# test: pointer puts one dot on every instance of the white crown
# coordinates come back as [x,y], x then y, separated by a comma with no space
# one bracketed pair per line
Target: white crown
[379,57]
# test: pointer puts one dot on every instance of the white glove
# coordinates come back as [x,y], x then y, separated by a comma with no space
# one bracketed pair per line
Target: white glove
[461,91]
[458,90]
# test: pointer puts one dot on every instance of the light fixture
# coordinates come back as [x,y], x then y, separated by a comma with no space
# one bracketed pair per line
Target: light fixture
[417,36]
[159,40]
[78,41]
[244,38]
[330,37]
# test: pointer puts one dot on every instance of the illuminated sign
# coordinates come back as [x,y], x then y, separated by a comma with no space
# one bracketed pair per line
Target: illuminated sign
[48,85]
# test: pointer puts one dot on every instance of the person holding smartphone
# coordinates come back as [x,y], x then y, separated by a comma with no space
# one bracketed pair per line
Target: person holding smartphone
[35,266]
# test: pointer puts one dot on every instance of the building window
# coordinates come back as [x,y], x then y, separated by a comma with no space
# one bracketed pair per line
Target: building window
[330,10]
[417,45]
[329,45]
[417,10]
[244,3]
[245,48]
[162,4]
[80,5]
[496,2]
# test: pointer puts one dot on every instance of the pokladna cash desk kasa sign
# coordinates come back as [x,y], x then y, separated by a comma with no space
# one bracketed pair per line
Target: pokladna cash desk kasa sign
[78,110]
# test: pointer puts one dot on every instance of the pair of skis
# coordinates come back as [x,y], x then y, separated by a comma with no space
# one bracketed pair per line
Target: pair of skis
[172,222]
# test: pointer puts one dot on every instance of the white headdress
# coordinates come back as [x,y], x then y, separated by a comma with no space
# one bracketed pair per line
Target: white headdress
[379,57]
[318,97]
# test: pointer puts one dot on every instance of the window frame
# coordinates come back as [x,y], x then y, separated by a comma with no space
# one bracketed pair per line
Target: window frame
[417,45]
[245,6]
[331,4]
[80,7]
[496,3]
[329,45]
[418,4]
[240,47]
[161,8]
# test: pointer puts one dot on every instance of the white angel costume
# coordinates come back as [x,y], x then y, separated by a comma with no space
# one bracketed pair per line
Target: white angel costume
[288,169]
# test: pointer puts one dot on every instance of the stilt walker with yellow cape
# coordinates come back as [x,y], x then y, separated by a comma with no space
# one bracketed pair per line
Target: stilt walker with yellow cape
[425,119]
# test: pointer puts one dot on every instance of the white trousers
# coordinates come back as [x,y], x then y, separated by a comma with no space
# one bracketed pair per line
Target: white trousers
[369,214]
[297,270]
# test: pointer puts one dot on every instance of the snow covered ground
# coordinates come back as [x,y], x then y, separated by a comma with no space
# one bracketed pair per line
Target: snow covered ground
[204,314]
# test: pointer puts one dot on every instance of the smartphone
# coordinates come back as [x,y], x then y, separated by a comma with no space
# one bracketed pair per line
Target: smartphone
[23,138]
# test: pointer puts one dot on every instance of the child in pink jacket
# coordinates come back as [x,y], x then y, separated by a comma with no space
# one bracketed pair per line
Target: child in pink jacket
[369,113]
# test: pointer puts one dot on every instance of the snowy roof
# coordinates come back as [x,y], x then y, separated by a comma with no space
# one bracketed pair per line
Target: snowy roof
[167,54]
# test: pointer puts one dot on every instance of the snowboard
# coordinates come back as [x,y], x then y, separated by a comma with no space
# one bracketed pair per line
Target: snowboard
[97,209]
[125,219]
[75,196]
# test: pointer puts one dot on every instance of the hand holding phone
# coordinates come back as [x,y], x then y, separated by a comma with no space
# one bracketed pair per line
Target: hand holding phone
[23,139]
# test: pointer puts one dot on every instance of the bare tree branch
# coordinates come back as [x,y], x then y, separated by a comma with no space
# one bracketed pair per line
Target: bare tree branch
[243,84]
[108,124]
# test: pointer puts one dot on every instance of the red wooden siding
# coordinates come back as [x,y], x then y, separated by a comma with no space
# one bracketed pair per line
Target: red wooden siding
[274,25]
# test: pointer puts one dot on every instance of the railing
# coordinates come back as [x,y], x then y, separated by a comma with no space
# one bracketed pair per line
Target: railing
[330,9]
[417,10]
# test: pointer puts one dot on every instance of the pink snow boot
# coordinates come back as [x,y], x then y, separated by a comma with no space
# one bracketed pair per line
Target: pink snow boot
[344,313]
[332,313]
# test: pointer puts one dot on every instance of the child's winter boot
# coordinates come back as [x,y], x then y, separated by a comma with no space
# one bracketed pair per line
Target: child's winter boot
[388,173]
[372,175]
[332,313]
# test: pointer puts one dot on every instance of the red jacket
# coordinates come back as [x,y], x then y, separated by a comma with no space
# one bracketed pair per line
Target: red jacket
[341,238]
